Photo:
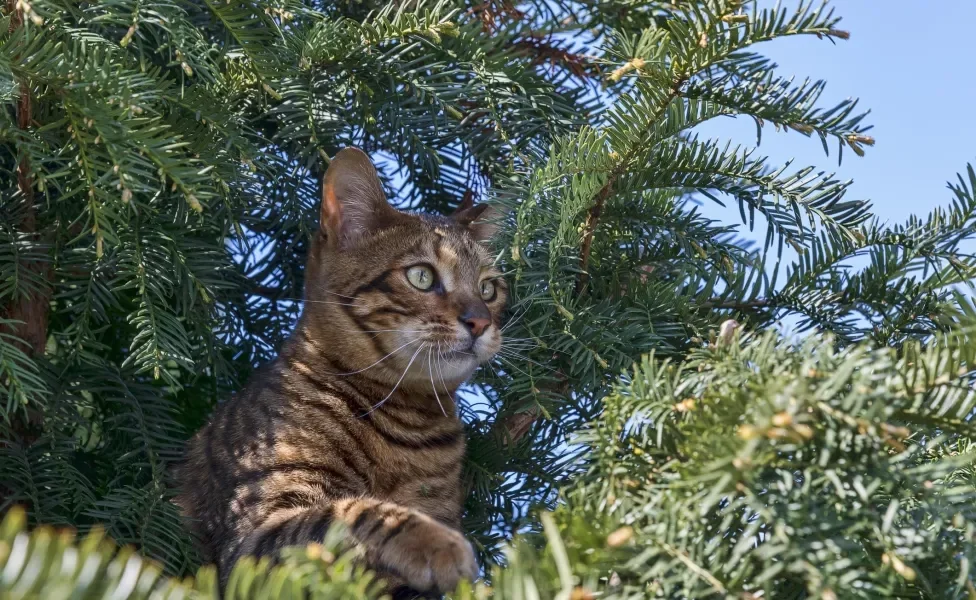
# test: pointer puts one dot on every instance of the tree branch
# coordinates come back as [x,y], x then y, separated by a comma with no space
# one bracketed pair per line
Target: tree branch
[543,49]
[515,427]
[490,11]
[716,304]
[518,425]
[30,309]
[596,211]
[592,219]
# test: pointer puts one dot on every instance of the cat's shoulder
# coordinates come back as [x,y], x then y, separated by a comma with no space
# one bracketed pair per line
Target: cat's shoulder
[264,386]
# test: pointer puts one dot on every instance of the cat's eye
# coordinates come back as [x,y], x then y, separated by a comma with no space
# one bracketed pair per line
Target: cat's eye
[487,290]
[421,277]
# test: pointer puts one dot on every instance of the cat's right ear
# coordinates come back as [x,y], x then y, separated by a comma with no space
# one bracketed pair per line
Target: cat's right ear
[481,220]
[353,202]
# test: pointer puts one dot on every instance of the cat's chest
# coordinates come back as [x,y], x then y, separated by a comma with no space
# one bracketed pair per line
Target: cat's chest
[420,471]
[435,494]
[424,477]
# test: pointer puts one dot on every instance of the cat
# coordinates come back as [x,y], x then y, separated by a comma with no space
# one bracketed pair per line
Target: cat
[355,422]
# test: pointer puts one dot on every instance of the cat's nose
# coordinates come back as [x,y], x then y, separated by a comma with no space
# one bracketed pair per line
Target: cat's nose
[477,320]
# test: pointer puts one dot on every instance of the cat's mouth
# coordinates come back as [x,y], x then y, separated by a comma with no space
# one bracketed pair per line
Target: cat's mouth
[452,356]
[450,361]
[475,351]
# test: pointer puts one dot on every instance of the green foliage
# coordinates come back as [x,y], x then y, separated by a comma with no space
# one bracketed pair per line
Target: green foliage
[754,467]
[790,470]
[48,564]
[159,175]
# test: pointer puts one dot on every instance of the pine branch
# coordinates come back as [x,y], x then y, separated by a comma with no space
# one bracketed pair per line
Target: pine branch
[596,210]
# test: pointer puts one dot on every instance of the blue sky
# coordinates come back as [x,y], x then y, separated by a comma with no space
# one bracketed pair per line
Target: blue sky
[915,69]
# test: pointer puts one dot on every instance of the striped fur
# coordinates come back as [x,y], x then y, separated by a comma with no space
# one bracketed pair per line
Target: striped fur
[355,421]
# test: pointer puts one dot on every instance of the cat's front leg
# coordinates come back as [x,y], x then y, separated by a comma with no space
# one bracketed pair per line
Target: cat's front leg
[406,544]
[424,553]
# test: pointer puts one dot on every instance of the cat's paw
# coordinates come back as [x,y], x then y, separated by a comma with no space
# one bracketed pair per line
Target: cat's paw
[433,557]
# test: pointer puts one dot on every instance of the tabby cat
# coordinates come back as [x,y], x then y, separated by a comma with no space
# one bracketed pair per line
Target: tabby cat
[355,421]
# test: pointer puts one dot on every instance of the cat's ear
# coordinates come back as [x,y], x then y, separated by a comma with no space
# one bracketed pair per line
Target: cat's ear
[353,202]
[481,220]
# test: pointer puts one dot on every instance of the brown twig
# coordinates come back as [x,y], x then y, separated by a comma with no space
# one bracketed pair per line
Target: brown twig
[16,16]
[589,227]
[30,309]
[516,426]
[512,428]
[542,49]
[490,10]
[266,291]
[735,305]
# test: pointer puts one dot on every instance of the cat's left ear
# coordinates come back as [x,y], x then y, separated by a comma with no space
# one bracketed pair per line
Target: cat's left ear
[353,201]
[481,220]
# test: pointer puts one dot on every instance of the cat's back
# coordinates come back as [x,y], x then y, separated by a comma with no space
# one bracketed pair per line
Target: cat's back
[228,450]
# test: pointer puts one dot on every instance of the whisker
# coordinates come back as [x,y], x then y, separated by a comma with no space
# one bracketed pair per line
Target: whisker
[440,370]
[340,295]
[515,320]
[533,347]
[521,345]
[379,361]
[491,366]
[514,357]
[518,352]
[460,352]
[430,371]
[534,336]
[319,301]
[356,330]
[527,350]
[510,362]
[381,402]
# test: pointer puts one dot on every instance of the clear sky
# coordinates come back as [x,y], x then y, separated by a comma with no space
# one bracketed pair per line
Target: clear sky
[913,64]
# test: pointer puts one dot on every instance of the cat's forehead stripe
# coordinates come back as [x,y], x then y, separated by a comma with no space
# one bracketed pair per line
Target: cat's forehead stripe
[447,255]
[448,260]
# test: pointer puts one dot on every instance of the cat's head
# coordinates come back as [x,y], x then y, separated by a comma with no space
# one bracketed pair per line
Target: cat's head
[405,296]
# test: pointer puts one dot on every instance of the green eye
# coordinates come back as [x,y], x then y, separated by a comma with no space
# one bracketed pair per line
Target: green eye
[487,290]
[421,277]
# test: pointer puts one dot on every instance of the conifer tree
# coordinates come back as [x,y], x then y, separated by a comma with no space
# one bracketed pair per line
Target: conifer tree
[645,432]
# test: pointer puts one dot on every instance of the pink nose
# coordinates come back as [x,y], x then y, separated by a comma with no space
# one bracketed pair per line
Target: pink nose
[476,325]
